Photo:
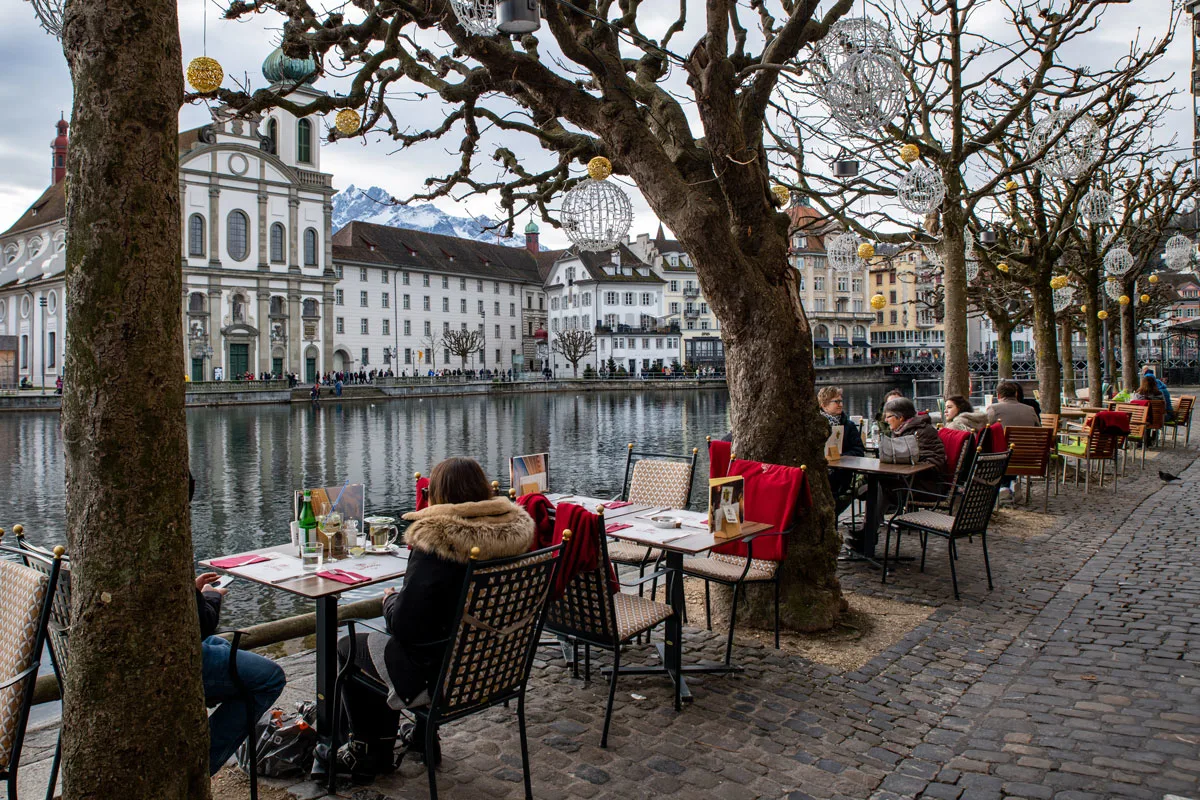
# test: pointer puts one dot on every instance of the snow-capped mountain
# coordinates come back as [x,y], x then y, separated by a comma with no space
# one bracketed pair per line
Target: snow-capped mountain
[374,205]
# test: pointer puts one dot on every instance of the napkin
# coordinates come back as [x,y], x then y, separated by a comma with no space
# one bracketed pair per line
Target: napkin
[613,527]
[237,561]
[341,576]
[618,504]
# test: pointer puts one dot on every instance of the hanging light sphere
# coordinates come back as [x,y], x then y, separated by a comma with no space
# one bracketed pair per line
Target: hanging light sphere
[205,74]
[1145,299]
[347,121]
[972,269]
[842,252]
[866,92]
[909,153]
[1058,282]
[878,302]
[866,250]
[1179,252]
[922,190]
[1112,288]
[1153,279]
[783,195]
[847,38]
[1123,299]
[1096,207]
[1002,266]
[1076,144]
[1063,298]
[599,168]
[1118,260]
[1101,315]
[596,215]
[477,16]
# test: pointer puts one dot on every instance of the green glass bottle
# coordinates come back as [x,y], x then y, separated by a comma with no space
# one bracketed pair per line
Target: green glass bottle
[308,520]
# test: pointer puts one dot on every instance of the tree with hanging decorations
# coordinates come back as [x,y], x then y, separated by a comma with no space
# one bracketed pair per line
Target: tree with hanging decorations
[687,128]
[942,88]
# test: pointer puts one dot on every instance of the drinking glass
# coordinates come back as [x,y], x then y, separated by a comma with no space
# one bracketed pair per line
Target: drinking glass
[312,555]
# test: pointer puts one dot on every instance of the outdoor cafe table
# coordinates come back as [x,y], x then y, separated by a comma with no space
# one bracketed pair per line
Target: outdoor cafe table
[378,568]
[619,508]
[866,538]
[694,539]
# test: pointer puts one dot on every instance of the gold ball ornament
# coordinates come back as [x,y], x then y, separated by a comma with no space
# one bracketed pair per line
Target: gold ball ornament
[205,74]
[599,168]
[783,195]
[1145,298]
[909,153]
[1011,186]
[347,121]
[1003,267]
[1058,282]
[1123,299]
[1153,279]
[878,302]
[866,250]
[1101,315]
[1083,309]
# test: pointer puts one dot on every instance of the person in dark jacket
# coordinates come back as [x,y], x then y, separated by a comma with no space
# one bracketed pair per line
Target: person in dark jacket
[462,515]
[263,678]
[902,418]
[840,480]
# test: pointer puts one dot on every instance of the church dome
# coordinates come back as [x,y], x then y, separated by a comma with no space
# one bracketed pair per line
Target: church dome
[281,68]
[531,227]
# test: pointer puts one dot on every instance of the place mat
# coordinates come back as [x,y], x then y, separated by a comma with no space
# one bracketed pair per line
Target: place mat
[341,576]
[237,561]
[613,527]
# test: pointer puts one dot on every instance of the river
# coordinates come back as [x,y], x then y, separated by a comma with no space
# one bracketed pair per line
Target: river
[247,460]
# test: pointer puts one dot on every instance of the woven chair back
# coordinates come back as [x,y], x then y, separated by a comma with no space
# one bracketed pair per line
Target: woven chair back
[661,483]
[979,497]
[499,622]
[40,559]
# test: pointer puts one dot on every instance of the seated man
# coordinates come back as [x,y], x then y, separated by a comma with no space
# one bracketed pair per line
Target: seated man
[1009,411]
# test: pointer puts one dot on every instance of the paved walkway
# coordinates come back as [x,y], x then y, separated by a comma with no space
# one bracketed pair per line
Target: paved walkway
[1078,677]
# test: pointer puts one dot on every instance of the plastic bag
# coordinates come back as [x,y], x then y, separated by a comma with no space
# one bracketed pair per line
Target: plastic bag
[285,746]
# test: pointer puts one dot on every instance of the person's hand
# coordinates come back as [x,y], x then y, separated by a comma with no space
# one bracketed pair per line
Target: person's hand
[388,592]
[204,583]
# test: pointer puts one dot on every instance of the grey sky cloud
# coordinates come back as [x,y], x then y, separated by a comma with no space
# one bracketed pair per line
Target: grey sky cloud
[35,87]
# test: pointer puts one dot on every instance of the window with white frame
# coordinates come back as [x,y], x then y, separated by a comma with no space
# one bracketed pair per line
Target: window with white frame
[428,328]
[445,304]
[425,280]
[364,326]
[338,298]
[629,298]
[387,327]
[425,302]
[362,274]
[407,327]
[339,325]
[386,300]
[674,286]
[366,356]
[445,281]
[406,302]
[362,299]
[610,298]
[647,298]
[404,278]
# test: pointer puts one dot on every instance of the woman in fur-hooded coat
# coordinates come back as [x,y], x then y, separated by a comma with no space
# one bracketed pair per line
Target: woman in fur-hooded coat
[462,515]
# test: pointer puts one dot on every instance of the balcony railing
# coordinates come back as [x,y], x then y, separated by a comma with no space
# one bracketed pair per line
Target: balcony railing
[660,330]
[316,179]
[691,291]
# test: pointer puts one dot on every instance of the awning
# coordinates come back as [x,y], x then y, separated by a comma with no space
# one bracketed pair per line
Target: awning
[861,343]
[820,343]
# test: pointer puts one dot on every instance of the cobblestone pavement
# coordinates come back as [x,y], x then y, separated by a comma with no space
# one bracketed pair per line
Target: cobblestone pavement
[1077,677]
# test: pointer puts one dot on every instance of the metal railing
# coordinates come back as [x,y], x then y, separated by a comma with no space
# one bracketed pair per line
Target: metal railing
[233,385]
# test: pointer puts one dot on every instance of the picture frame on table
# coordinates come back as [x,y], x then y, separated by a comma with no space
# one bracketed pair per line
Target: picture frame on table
[530,474]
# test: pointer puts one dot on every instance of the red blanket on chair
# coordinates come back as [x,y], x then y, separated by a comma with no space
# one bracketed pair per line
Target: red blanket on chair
[992,439]
[542,511]
[773,494]
[1111,422]
[954,441]
[422,493]
[582,552]
[718,458]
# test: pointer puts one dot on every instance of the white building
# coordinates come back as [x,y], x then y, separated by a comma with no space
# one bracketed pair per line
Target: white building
[618,297]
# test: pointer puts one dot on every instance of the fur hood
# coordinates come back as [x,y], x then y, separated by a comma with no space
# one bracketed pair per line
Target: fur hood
[497,527]
[969,421]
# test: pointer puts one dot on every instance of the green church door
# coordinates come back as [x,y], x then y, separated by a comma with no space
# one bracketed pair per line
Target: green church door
[239,361]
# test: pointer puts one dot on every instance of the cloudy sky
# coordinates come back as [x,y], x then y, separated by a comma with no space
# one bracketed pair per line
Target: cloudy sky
[35,87]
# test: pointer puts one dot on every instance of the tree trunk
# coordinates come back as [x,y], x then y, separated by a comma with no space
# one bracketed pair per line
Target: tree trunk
[958,370]
[1004,355]
[1110,331]
[1067,357]
[134,723]
[1129,343]
[1091,289]
[1045,344]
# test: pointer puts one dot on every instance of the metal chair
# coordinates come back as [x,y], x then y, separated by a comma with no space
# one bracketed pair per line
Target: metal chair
[26,604]
[488,656]
[1030,448]
[653,479]
[970,519]
[590,613]
[1183,419]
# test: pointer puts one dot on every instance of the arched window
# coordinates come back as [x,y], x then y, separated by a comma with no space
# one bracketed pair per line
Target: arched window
[821,333]
[841,331]
[304,141]
[860,332]
[196,303]
[310,247]
[276,306]
[277,241]
[273,135]
[196,235]
[310,308]
[237,235]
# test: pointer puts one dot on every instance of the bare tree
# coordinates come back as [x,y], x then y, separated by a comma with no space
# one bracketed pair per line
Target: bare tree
[429,346]
[688,129]
[463,343]
[574,345]
[134,723]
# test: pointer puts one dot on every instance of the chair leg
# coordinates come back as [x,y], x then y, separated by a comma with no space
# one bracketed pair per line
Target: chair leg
[54,768]
[1046,503]
[524,746]
[887,547]
[430,761]
[987,565]
[587,663]
[252,746]
[707,605]
[924,542]
[732,625]
[777,610]
[612,693]
[953,572]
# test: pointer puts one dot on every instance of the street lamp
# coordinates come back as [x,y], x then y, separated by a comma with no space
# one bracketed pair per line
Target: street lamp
[42,379]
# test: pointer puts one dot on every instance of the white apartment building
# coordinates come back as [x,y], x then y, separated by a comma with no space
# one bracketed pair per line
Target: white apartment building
[618,297]
[400,291]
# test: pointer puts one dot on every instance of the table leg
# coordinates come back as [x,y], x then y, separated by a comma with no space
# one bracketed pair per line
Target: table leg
[868,536]
[326,672]
[674,639]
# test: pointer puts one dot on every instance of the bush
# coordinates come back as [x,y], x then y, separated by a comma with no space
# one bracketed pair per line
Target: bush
[622,373]
[588,372]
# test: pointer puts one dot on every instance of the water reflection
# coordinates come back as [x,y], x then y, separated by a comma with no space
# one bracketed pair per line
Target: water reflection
[247,460]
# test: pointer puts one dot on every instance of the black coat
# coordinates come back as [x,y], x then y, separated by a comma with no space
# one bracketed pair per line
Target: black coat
[852,443]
